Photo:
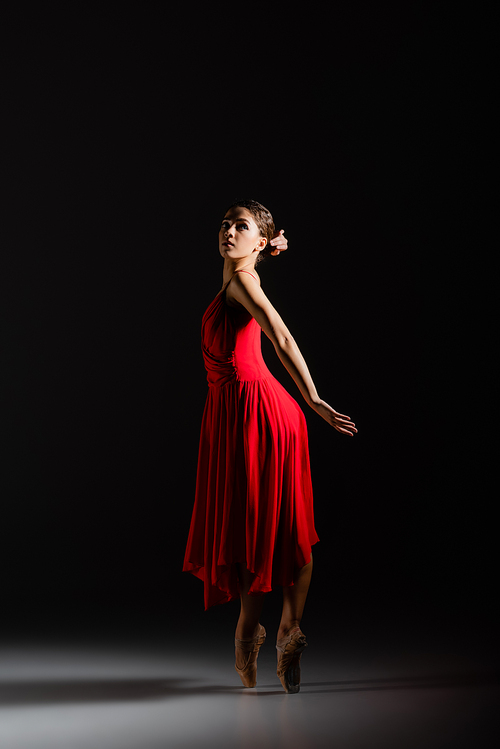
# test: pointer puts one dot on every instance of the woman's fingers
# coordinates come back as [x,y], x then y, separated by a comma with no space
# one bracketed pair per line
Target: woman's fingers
[344,431]
[346,427]
[341,416]
[279,242]
[279,237]
[344,423]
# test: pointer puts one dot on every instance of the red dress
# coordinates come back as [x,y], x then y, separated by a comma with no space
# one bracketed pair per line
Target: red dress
[253,501]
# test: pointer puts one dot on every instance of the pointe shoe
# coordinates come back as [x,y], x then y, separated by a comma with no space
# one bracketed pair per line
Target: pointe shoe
[248,674]
[289,651]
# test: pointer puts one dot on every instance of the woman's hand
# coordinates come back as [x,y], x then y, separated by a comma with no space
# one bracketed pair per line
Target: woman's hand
[279,243]
[340,422]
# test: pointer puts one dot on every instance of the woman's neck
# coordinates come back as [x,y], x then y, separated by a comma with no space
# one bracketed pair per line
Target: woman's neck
[231,266]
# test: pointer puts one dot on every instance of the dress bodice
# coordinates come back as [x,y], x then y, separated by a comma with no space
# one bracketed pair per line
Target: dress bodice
[231,344]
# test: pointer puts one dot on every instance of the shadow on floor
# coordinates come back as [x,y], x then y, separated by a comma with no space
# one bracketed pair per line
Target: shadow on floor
[98,690]
[46,692]
[431,681]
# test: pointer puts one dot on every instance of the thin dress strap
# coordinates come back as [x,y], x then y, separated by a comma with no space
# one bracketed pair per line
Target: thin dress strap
[228,282]
[244,271]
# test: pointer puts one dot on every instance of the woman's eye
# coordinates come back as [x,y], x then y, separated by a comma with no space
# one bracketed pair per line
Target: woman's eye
[226,224]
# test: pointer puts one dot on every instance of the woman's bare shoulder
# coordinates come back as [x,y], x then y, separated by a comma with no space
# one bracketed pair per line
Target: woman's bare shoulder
[246,275]
[242,281]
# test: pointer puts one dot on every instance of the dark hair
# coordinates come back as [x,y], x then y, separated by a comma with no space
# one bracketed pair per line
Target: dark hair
[264,221]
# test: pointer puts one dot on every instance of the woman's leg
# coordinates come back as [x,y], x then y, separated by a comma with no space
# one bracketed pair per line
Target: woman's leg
[251,607]
[294,599]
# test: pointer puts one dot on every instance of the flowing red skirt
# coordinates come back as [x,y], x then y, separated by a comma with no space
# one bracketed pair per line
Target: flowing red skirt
[254,500]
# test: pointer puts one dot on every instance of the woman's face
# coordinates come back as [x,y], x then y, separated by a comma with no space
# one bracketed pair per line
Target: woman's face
[239,235]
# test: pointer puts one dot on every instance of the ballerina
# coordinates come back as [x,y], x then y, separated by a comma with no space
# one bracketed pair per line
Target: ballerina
[252,525]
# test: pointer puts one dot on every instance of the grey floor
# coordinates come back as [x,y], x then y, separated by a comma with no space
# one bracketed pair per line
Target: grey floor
[153,691]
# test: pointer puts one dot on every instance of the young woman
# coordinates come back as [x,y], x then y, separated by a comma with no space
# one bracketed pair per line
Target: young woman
[252,525]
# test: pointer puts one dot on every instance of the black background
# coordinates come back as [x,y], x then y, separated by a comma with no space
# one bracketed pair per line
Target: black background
[132,129]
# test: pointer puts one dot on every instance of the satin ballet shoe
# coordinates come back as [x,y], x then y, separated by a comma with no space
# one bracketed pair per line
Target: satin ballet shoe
[248,674]
[289,651]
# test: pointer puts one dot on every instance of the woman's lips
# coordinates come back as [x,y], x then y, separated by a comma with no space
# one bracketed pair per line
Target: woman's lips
[228,244]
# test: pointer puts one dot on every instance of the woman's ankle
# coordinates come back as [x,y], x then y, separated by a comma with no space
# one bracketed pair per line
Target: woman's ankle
[245,632]
[287,627]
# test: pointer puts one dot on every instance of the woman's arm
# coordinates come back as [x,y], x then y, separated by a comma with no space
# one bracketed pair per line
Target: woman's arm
[246,292]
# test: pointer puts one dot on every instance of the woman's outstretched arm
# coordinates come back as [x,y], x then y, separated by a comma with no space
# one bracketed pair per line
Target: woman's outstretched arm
[244,290]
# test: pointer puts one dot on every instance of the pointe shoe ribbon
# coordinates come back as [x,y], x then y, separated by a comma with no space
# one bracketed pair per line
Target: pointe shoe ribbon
[248,673]
[289,651]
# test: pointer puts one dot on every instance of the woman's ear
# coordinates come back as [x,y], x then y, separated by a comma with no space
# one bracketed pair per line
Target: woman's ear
[261,245]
